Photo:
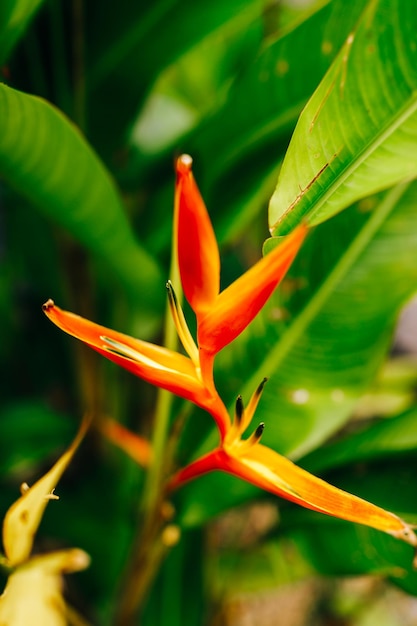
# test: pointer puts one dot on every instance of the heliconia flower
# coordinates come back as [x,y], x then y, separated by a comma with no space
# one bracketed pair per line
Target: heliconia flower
[221,317]
[263,467]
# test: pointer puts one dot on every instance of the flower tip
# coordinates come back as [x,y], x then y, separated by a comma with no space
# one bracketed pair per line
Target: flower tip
[49,304]
[259,431]
[184,164]
[239,409]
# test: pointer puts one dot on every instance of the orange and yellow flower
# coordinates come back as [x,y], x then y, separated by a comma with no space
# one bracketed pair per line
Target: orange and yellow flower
[221,317]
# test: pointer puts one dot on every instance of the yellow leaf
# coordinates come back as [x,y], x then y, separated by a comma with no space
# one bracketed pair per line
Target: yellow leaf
[23,518]
[33,594]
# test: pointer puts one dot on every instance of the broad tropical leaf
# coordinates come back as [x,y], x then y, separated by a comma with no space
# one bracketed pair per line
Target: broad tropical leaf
[45,158]
[357,134]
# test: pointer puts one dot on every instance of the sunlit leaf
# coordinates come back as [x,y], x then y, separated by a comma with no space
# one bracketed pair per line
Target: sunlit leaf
[23,518]
[357,134]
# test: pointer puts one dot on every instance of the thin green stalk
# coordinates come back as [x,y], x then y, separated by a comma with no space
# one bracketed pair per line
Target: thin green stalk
[164,400]
[149,547]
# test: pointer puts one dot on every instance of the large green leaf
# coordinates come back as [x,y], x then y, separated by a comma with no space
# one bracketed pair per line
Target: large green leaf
[357,134]
[14,17]
[45,158]
[322,359]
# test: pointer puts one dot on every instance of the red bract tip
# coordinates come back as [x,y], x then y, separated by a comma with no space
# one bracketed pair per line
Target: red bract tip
[198,254]
[184,164]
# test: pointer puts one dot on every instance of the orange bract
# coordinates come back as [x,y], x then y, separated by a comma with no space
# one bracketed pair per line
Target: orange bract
[221,317]
[268,470]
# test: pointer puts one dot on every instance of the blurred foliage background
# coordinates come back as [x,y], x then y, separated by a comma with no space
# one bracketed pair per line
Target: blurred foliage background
[97,101]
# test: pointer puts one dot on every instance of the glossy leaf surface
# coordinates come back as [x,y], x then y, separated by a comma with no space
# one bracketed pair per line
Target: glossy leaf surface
[46,158]
[357,133]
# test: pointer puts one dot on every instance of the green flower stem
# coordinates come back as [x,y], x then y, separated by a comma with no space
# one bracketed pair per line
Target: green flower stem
[159,467]
[149,548]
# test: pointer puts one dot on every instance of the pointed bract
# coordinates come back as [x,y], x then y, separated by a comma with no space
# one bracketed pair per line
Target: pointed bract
[238,304]
[272,472]
[268,470]
[198,253]
[220,318]
[155,364]
[23,517]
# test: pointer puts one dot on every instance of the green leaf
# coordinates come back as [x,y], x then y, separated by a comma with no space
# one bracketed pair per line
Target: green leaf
[14,18]
[256,568]
[356,135]
[390,436]
[45,158]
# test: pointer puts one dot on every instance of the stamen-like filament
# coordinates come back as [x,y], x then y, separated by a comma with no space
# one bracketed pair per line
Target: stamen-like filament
[235,429]
[241,446]
[122,350]
[243,418]
[239,411]
[183,331]
[251,408]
